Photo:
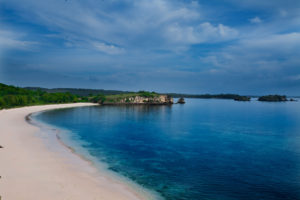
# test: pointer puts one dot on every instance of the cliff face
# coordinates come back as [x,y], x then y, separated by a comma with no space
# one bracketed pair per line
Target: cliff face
[157,100]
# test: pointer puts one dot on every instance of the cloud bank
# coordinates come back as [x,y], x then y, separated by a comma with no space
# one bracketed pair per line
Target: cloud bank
[179,46]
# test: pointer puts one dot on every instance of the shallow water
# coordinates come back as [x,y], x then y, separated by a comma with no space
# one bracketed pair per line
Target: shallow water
[205,149]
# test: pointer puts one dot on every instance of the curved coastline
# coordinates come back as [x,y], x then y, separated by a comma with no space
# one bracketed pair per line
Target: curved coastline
[68,143]
[65,173]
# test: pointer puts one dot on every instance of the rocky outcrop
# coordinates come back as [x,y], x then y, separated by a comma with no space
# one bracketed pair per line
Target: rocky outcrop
[140,100]
[181,100]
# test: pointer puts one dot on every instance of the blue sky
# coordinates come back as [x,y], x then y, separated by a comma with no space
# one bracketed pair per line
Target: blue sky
[229,46]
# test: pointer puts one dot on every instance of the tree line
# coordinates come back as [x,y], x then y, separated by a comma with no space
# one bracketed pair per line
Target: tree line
[11,96]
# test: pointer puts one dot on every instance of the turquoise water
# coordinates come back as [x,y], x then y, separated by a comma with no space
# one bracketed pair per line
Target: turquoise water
[205,149]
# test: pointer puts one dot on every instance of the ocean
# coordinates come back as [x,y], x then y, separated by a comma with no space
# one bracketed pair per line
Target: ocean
[206,149]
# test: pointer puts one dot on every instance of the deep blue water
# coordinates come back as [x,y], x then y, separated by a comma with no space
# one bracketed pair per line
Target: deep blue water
[205,149]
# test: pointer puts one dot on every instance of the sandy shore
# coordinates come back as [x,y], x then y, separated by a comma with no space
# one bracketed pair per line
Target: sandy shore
[30,171]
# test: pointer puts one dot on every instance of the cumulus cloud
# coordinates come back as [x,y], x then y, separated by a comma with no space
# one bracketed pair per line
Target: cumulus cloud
[158,24]
[212,42]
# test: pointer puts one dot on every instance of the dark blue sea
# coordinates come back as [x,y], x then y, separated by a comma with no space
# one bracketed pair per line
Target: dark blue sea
[205,149]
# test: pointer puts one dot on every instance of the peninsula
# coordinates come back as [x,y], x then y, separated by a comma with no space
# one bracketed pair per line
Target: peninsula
[139,98]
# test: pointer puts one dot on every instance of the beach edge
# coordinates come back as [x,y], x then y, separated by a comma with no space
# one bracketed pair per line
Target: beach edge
[46,168]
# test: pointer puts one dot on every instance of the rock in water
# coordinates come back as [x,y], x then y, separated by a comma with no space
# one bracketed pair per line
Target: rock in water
[181,100]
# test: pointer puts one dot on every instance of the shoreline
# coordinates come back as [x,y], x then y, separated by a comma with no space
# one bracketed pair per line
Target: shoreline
[31,169]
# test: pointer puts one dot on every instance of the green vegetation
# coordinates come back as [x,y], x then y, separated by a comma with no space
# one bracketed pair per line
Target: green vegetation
[147,94]
[87,93]
[207,96]
[100,98]
[242,98]
[78,91]
[272,98]
[118,97]
[11,96]
[128,97]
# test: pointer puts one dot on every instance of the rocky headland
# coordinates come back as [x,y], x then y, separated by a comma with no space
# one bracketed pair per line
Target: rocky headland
[140,98]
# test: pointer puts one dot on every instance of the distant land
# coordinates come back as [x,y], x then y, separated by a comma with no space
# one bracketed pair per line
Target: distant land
[275,98]
[11,96]
[137,98]
[79,91]
[93,92]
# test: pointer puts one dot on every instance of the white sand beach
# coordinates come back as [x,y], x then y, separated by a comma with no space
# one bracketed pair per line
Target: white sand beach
[30,171]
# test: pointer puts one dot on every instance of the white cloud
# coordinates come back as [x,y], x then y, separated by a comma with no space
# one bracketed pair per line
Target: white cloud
[255,20]
[284,43]
[203,33]
[108,48]
[157,24]
[12,40]
[267,55]
[148,34]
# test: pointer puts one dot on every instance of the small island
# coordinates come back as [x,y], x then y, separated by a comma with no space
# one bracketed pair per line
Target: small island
[242,98]
[181,100]
[139,98]
[273,98]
